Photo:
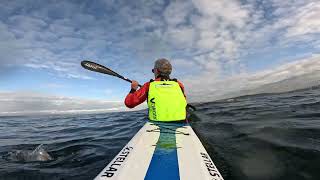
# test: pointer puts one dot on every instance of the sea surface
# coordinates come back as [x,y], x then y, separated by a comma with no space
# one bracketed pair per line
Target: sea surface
[258,137]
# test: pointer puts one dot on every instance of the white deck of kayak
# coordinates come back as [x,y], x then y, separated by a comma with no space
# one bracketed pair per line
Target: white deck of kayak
[134,159]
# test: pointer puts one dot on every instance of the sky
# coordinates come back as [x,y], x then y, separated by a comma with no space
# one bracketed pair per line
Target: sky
[218,48]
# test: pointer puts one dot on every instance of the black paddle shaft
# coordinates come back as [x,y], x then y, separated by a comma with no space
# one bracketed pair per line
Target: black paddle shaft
[92,66]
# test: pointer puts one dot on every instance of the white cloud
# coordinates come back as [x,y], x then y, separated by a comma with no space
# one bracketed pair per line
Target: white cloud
[299,74]
[307,20]
[63,69]
[25,23]
[5,33]
[183,37]
[293,23]
[230,12]
[176,12]
[226,27]
[22,103]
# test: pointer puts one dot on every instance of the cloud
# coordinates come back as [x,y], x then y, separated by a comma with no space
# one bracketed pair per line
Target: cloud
[39,39]
[23,103]
[208,41]
[302,73]
[63,69]
[25,23]
[176,12]
[307,21]
[290,22]
[149,29]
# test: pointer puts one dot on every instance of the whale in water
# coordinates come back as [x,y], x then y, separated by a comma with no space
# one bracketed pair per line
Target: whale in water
[38,154]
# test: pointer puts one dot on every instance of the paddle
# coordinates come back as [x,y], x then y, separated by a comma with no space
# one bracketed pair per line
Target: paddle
[92,66]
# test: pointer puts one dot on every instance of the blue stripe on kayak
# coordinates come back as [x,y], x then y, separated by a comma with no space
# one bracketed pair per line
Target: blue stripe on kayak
[164,163]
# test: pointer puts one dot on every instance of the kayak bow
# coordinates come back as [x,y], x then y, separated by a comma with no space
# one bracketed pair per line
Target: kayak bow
[167,151]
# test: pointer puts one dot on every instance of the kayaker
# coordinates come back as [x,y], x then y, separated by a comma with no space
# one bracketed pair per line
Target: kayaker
[165,97]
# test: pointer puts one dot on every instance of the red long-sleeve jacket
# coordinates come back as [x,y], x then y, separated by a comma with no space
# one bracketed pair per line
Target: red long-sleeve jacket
[135,98]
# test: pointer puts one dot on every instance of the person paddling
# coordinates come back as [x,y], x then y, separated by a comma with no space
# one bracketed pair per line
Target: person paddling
[165,97]
[163,149]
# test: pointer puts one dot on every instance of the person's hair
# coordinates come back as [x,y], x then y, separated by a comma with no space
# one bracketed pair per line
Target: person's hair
[164,67]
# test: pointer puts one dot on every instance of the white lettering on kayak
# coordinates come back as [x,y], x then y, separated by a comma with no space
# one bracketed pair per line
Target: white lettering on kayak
[210,166]
[112,168]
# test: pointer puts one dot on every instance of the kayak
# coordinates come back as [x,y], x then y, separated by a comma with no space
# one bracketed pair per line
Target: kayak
[166,151]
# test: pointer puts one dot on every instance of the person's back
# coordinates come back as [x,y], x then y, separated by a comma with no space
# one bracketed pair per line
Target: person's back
[166,99]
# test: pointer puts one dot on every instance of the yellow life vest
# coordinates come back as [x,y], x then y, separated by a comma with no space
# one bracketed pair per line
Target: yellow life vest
[166,101]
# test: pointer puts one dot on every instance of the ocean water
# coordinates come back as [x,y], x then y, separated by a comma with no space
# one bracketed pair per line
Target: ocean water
[259,137]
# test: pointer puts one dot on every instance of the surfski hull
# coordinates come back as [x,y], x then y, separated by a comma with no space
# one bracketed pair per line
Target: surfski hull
[167,151]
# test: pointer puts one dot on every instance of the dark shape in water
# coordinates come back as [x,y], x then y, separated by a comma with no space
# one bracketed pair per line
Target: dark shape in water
[38,154]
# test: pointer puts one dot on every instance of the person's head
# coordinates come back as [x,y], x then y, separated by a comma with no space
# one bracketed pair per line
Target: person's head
[162,68]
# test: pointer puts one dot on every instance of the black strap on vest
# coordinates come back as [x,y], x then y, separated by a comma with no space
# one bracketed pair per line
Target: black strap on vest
[174,79]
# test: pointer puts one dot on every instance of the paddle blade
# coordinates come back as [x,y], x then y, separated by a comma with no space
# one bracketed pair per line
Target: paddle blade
[92,66]
[98,68]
